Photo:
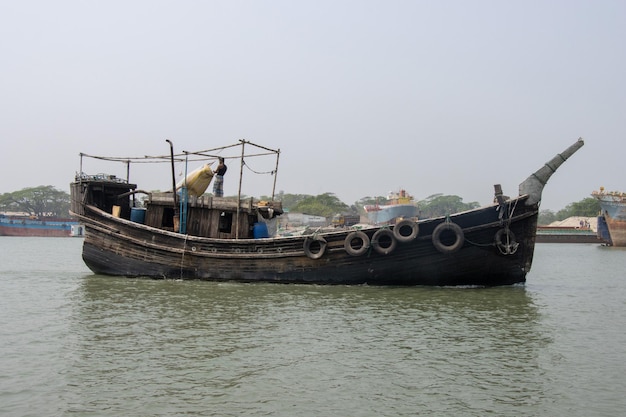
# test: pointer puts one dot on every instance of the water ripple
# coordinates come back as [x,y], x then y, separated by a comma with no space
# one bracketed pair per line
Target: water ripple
[77,344]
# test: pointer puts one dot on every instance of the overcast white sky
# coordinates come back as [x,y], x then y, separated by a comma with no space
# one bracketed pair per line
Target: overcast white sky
[361,97]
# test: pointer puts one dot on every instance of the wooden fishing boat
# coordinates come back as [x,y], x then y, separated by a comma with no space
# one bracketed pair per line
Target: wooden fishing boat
[180,236]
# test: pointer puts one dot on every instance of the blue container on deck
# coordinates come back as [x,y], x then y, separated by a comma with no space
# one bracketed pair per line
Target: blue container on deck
[260,231]
[138,215]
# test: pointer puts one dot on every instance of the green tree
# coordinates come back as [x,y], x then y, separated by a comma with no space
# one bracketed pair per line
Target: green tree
[441,205]
[326,205]
[587,207]
[37,201]
[546,217]
[288,200]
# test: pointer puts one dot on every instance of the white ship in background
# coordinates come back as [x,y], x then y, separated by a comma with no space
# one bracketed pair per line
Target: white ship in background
[399,205]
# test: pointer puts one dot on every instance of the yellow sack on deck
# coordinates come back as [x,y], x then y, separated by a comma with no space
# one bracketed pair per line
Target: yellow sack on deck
[197,181]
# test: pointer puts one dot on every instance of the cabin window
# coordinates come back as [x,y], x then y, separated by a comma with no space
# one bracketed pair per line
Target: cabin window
[226,222]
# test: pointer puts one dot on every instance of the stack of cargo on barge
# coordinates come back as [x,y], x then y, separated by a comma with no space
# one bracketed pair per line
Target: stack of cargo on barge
[571,230]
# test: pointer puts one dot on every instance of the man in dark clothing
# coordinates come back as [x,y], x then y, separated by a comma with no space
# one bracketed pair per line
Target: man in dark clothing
[218,184]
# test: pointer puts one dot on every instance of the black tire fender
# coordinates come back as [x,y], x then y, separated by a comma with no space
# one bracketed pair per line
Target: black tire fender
[400,228]
[458,241]
[359,250]
[311,252]
[387,236]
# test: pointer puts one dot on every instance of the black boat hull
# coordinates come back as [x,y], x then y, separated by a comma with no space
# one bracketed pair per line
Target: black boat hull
[119,247]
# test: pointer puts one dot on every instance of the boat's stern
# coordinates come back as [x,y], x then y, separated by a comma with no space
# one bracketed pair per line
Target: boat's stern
[105,192]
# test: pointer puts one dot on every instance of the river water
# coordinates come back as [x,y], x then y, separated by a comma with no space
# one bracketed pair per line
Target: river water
[78,344]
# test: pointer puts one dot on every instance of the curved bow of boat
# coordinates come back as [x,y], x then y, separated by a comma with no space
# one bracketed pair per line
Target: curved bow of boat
[533,185]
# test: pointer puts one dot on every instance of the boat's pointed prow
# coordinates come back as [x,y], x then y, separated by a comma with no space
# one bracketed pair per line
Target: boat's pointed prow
[533,185]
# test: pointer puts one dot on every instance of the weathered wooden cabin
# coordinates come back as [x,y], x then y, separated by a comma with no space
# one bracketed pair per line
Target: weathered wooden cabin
[204,216]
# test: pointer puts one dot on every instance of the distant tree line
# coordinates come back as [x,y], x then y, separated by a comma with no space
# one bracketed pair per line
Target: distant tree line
[39,201]
[49,201]
[328,204]
[441,205]
[588,207]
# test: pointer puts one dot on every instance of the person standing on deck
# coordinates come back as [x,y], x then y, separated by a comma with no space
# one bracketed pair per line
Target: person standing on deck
[218,184]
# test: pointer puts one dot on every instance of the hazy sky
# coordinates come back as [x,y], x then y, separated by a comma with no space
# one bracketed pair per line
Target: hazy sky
[361,97]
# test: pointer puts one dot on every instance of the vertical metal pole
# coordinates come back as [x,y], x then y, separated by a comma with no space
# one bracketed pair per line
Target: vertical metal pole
[174,186]
[128,180]
[275,175]
[80,174]
[173,174]
[243,145]
[184,200]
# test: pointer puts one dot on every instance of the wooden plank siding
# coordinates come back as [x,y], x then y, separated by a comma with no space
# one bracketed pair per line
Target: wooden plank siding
[207,216]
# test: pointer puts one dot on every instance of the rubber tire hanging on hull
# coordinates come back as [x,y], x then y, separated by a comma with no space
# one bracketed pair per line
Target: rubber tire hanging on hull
[314,240]
[458,241]
[401,226]
[387,237]
[508,248]
[365,243]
